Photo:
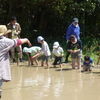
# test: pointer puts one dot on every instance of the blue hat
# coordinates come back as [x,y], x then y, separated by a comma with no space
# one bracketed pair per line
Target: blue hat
[40,38]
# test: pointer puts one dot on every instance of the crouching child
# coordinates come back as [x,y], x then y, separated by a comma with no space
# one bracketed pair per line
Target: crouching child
[31,53]
[58,53]
[88,64]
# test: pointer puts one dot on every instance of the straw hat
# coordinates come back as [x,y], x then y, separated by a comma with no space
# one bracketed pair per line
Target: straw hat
[3,30]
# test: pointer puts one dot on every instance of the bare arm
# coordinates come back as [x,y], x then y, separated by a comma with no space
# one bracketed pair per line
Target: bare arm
[25,40]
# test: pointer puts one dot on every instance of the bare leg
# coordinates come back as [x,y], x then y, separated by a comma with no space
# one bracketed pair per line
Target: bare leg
[25,40]
[20,54]
[47,64]
[61,66]
[35,57]
[73,63]
[79,63]
[42,63]
[54,66]
[36,61]
[29,61]
[38,56]
[32,61]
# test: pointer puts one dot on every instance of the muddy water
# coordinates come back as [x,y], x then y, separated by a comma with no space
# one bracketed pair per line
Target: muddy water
[39,83]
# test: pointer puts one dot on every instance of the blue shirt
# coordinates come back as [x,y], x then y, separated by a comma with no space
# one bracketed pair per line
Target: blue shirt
[73,30]
[90,62]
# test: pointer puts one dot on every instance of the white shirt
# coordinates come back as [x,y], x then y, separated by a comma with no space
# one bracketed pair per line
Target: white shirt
[58,52]
[14,31]
[45,49]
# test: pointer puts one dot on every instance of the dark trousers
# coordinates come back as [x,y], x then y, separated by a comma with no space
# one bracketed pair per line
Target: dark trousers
[58,59]
[67,55]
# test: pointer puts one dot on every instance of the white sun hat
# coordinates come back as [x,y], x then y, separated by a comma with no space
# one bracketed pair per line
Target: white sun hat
[56,44]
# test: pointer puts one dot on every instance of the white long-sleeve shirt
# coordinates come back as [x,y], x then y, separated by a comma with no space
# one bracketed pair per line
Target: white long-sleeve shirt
[45,49]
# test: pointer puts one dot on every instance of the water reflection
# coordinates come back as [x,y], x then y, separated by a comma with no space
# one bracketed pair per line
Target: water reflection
[58,85]
[38,83]
[16,94]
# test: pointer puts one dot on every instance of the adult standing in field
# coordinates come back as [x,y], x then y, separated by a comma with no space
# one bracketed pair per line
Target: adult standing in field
[75,48]
[15,34]
[5,45]
[73,29]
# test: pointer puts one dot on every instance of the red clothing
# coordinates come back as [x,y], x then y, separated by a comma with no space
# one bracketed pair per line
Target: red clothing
[19,42]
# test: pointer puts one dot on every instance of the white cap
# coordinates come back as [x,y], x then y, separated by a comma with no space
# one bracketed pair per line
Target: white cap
[56,44]
[25,49]
[40,38]
[75,20]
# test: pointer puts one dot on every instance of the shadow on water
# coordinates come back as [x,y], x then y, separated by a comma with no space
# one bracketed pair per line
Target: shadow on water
[96,72]
[63,70]
[23,66]
[50,67]
[92,73]
[27,66]
[54,67]
[86,72]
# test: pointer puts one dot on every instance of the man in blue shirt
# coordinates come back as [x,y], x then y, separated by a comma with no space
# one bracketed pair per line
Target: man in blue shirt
[73,29]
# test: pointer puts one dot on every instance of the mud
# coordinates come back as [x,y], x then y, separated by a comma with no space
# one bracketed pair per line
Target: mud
[40,83]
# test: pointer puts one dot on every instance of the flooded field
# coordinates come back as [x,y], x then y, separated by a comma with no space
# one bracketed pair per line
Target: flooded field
[40,83]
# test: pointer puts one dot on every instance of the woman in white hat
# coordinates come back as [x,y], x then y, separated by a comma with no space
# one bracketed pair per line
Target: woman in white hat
[5,45]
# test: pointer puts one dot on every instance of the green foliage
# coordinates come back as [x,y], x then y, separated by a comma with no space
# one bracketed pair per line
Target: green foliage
[90,47]
[50,18]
